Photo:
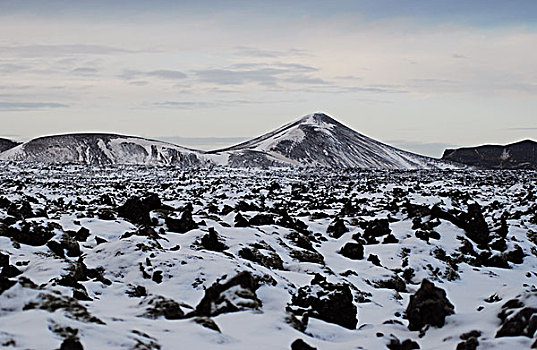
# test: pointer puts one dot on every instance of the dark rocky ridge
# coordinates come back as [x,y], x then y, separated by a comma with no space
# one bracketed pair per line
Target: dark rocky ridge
[6,144]
[518,155]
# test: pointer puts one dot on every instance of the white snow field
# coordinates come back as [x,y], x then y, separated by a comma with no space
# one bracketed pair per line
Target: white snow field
[134,257]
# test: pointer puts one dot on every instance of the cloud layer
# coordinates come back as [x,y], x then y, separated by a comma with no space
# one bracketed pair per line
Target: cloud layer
[434,74]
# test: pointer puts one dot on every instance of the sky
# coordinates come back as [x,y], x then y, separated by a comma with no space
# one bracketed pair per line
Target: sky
[420,75]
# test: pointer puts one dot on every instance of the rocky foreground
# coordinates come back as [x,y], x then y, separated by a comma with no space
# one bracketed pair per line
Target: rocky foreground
[164,258]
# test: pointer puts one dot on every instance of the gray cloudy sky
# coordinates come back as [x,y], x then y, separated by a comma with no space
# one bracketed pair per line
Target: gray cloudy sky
[422,75]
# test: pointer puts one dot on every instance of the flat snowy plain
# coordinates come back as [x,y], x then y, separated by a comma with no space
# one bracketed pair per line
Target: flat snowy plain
[117,275]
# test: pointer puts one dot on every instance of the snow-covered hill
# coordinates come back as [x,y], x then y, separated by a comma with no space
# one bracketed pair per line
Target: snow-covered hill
[315,140]
[319,140]
[101,149]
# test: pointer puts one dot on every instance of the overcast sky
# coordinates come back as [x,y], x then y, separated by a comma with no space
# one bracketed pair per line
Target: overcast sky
[421,75]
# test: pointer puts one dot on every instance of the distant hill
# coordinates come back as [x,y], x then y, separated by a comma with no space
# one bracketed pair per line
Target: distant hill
[518,155]
[319,140]
[315,140]
[101,149]
[6,144]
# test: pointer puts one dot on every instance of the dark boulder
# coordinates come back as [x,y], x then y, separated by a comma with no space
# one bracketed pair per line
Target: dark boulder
[263,254]
[184,224]
[299,344]
[56,248]
[376,228]
[326,301]
[519,316]
[374,259]
[135,211]
[159,306]
[10,271]
[286,221]
[70,245]
[71,343]
[429,306]
[475,225]
[262,219]
[237,294]
[337,228]
[407,344]
[469,340]
[5,284]
[351,250]
[240,221]
[82,234]
[32,233]
[4,259]
[212,241]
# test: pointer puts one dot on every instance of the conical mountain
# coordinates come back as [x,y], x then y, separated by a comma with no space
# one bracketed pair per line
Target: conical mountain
[318,140]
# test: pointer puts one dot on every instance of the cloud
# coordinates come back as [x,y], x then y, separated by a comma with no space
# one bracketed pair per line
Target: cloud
[29,106]
[166,74]
[262,76]
[303,79]
[184,104]
[204,104]
[30,51]
[85,71]
[11,67]
[161,74]
[247,51]
[269,75]
[292,67]
[523,128]
[139,82]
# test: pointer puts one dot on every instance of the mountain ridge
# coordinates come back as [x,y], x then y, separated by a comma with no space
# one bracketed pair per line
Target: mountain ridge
[517,155]
[6,144]
[315,140]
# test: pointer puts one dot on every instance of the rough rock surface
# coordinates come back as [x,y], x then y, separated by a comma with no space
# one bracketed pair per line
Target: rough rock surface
[428,306]
[327,301]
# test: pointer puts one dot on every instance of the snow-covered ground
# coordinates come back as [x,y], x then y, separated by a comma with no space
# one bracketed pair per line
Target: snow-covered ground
[90,263]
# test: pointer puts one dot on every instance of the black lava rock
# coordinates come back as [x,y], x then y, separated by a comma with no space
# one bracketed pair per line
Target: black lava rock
[71,344]
[407,344]
[5,284]
[32,233]
[331,302]
[4,259]
[519,316]
[184,224]
[135,211]
[354,251]
[222,298]
[337,228]
[211,241]
[429,306]
[240,221]
[262,219]
[299,344]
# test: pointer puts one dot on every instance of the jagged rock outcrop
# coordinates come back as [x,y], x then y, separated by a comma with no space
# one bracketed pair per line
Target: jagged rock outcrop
[518,155]
[429,306]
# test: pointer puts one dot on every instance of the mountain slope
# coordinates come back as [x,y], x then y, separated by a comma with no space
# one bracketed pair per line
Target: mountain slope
[6,144]
[101,149]
[519,155]
[318,140]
